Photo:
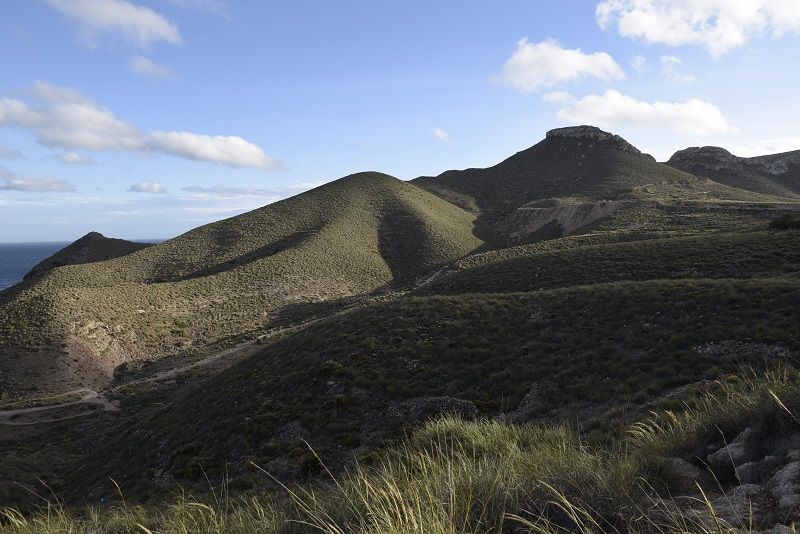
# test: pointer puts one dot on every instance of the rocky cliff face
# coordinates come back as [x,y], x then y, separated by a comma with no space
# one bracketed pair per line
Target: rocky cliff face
[776,164]
[593,134]
[776,174]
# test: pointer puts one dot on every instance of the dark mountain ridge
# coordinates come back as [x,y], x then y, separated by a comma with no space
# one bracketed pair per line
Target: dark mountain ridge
[774,174]
[572,179]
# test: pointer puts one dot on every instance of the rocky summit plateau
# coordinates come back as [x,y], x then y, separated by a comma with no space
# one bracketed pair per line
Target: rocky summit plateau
[575,339]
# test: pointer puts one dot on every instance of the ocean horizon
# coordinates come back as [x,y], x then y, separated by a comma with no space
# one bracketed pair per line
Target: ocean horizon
[16,259]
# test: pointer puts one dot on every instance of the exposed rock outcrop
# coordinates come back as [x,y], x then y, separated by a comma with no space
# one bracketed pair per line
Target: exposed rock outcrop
[775,174]
[592,133]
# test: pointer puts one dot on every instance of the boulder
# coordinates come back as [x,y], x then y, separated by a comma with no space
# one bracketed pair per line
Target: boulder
[744,505]
[785,479]
[779,529]
[736,453]
[681,475]
[758,472]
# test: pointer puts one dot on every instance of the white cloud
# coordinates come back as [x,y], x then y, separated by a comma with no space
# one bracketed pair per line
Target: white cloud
[669,70]
[718,25]
[32,184]
[147,67]
[73,158]
[547,64]
[10,153]
[68,119]
[639,64]
[219,7]
[138,24]
[146,187]
[613,108]
[767,146]
[228,150]
[440,134]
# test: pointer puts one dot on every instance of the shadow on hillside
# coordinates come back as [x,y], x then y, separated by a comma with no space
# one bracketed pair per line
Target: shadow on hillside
[270,249]
[400,236]
[293,314]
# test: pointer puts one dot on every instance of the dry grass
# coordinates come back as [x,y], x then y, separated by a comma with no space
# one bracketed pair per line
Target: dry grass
[483,476]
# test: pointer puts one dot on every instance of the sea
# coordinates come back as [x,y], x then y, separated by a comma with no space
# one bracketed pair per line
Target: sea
[16,259]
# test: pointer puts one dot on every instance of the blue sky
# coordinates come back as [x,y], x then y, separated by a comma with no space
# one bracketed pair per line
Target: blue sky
[145,118]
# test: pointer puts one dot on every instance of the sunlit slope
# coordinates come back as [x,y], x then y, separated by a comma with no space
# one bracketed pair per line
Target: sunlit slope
[349,237]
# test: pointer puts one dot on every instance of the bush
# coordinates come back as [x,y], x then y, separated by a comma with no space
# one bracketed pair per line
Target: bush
[787,221]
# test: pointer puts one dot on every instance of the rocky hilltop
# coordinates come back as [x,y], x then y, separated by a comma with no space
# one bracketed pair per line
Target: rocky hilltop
[592,133]
[776,174]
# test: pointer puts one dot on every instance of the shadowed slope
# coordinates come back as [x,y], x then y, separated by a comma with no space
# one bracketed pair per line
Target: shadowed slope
[347,384]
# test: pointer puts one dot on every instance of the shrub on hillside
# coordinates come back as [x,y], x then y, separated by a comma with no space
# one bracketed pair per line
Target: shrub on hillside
[787,221]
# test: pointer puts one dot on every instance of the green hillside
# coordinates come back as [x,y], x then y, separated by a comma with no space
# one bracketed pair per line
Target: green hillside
[224,280]
[593,354]
[757,254]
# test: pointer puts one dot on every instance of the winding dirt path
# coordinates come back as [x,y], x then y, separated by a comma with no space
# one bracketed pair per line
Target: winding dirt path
[39,414]
[89,397]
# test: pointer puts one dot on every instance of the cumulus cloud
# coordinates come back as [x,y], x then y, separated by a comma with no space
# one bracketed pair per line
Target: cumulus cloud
[547,64]
[229,150]
[10,153]
[670,69]
[73,158]
[613,108]
[147,67]
[138,24]
[69,119]
[66,118]
[32,184]
[718,25]
[146,187]
[440,134]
